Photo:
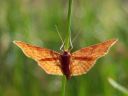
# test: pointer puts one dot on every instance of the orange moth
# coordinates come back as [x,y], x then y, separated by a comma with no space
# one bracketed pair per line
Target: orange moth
[66,63]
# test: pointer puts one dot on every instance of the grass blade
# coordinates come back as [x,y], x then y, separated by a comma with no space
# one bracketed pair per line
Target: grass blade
[118,86]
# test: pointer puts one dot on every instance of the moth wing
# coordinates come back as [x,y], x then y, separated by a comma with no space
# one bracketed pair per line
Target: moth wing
[46,58]
[83,59]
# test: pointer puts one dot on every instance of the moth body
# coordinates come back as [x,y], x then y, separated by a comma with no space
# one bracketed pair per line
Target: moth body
[65,62]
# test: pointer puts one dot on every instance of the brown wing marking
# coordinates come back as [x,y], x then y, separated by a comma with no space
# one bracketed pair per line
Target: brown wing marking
[46,58]
[83,59]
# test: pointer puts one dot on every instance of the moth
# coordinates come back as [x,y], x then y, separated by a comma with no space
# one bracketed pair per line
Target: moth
[66,63]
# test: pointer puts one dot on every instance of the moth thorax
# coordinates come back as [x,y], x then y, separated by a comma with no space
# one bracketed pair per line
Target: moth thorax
[66,53]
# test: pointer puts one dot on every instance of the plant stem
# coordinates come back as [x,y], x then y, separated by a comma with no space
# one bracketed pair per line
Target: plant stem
[68,34]
[63,85]
[67,42]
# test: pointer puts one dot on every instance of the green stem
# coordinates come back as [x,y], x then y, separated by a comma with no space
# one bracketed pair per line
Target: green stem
[67,42]
[63,85]
[68,34]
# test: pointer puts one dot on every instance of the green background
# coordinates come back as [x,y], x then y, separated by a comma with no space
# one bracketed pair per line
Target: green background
[34,21]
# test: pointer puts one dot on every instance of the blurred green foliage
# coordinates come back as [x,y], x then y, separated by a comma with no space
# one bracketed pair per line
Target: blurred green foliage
[34,21]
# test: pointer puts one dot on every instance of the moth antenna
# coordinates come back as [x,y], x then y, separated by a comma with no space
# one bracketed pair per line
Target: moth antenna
[59,34]
[71,45]
[62,46]
[76,37]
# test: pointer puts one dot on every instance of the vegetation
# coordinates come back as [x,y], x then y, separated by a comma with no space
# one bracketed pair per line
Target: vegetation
[34,21]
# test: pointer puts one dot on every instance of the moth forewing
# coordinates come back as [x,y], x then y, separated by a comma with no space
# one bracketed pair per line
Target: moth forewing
[85,58]
[46,58]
